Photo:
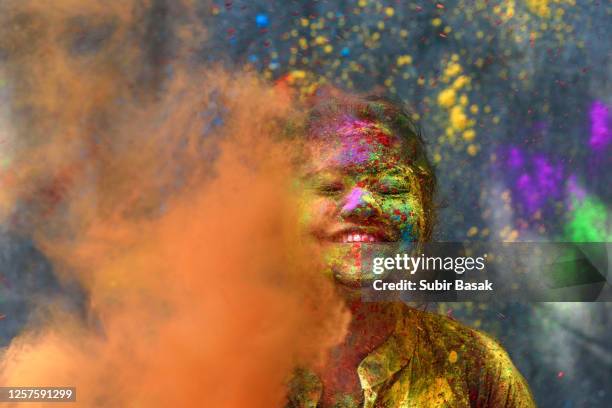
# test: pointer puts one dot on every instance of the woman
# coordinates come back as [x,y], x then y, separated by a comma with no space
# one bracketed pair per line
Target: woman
[370,181]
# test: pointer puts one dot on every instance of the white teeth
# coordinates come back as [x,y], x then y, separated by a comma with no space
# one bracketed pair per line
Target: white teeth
[356,237]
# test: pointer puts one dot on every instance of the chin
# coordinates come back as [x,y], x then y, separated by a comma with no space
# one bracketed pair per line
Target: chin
[344,264]
[348,278]
[352,276]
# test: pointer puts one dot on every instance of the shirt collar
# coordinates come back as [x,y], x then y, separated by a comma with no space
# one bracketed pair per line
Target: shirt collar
[391,356]
[375,369]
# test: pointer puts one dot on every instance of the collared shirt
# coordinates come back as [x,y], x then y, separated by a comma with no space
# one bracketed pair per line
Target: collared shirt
[429,361]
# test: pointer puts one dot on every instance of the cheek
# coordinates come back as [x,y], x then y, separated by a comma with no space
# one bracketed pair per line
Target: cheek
[317,211]
[403,215]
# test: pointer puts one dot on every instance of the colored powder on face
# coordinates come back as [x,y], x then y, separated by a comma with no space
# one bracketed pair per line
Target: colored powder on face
[408,234]
[361,141]
[355,198]
[403,215]
[353,152]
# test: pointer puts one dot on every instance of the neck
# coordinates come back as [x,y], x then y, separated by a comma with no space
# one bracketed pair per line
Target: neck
[371,324]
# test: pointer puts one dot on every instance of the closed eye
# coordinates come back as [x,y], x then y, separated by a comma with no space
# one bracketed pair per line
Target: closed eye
[329,188]
[392,188]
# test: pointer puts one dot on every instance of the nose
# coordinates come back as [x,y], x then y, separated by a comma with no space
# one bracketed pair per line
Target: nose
[359,205]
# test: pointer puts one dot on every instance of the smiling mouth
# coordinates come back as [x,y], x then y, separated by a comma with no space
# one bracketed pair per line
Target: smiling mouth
[356,236]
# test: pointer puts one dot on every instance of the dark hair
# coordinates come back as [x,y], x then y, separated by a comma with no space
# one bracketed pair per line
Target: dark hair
[331,104]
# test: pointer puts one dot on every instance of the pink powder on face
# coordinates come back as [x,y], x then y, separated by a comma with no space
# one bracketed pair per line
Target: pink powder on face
[353,199]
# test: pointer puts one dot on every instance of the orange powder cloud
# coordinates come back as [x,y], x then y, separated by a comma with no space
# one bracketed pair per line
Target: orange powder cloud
[203,290]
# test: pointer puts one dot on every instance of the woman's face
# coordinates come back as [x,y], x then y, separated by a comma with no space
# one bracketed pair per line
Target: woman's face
[362,189]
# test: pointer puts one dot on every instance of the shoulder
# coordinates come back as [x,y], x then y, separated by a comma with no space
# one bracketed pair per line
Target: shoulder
[445,332]
[448,334]
[484,363]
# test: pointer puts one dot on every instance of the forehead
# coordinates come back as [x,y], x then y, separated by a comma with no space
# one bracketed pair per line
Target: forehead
[356,144]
